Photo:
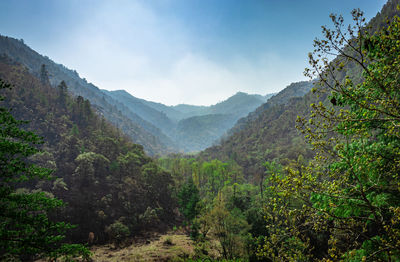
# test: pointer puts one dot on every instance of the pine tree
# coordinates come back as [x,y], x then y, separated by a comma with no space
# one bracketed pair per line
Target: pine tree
[62,93]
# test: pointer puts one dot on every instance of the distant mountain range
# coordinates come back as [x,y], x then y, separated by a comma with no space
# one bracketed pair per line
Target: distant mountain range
[159,128]
[191,128]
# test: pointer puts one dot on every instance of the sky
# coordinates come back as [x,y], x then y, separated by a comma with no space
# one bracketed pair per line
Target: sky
[178,51]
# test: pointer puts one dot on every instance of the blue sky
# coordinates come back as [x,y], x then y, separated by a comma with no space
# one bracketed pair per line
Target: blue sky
[178,51]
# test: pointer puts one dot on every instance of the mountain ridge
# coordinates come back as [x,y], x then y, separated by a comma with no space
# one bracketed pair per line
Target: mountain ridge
[151,124]
[181,121]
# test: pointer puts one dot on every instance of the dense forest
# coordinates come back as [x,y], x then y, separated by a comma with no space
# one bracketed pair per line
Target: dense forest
[311,174]
[109,183]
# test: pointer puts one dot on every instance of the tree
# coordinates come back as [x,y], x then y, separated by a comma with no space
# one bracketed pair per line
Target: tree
[26,231]
[118,232]
[188,197]
[345,205]
[62,93]
[44,75]
[229,228]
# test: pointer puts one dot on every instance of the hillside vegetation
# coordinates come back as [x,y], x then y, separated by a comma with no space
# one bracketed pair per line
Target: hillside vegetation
[141,131]
[269,133]
[111,187]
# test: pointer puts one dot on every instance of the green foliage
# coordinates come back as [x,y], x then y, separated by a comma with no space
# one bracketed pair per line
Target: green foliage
[344,204]
[229,227]
[188,197]
[149,217]
[218,205]
[26,231]
[101,175]
[117,232]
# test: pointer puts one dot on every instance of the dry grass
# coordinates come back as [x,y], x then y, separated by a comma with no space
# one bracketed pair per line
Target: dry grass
[169,247]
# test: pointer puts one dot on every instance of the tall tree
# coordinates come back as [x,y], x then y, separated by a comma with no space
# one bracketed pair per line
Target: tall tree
[62,93]
[188,197]
[44,75]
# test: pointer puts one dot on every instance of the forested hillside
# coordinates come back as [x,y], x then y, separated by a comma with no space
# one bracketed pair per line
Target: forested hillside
[111,187]
[298,89]
[268,133]
[140,130]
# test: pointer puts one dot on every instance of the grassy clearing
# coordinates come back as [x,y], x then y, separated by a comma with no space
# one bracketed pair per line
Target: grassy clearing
[169,247]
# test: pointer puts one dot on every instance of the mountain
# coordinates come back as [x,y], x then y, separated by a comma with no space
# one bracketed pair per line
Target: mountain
[196,132]
[140,130]
[139,107]
[191,110]
[155,126]
[239,105]
[155,122]
[211,123]
[269,133]
[297,89]
[170,111]
[187,127]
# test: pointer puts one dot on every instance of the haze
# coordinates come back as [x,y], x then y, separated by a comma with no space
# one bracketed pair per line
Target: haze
[176,51]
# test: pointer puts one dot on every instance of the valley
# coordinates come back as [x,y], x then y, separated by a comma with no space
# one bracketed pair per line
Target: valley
[160,129]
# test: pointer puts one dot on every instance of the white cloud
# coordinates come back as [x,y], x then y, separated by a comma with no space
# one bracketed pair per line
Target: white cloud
[128,46]
[193,79]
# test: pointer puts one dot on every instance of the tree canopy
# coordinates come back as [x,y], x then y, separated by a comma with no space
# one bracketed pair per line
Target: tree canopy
[26,230]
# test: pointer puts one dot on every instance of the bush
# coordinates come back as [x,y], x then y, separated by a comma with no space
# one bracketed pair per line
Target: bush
[117,232]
